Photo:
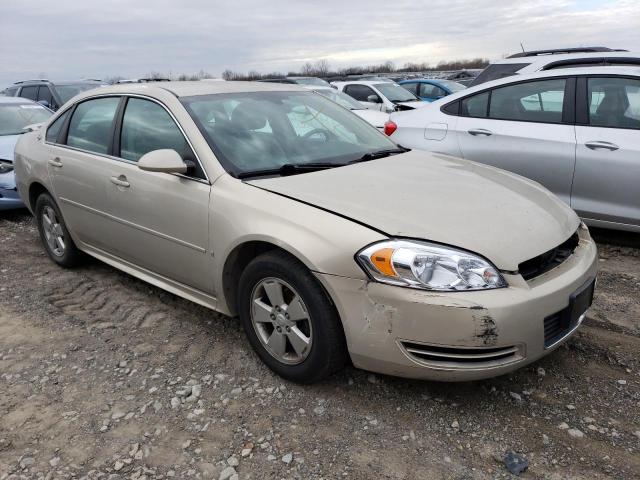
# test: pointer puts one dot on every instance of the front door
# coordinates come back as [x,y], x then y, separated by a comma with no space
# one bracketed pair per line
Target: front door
[607,179]
[162,219]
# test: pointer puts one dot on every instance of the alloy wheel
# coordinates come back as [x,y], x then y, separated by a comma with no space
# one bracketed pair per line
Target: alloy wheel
[281,321]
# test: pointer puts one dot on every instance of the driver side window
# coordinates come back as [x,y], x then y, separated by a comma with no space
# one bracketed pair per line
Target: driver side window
[147,126]
[359,92]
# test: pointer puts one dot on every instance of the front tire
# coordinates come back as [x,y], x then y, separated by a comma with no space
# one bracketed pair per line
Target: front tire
[289,319]
[54,234]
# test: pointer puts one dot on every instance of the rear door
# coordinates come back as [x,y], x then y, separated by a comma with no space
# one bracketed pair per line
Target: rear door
[162,220]
[526,128]
[79,166]
[607,178]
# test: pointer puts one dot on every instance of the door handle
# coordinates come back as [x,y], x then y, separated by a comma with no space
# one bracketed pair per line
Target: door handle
[480,131]
[597,145]
[56,162]
[120,181]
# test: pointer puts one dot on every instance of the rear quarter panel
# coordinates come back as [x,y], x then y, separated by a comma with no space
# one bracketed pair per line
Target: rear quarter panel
[30,164]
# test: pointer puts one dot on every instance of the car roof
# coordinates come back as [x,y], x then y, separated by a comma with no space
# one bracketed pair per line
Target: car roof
[193,88]
[544,59]
[561,72]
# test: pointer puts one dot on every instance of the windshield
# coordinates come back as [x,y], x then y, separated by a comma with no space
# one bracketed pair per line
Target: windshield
[318,82]
[340,98]
[67,92]
[262,131]
[453,86]
[395,93]
[14,117]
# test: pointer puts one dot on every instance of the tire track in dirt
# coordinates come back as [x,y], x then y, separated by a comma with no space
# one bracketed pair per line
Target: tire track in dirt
[98,302]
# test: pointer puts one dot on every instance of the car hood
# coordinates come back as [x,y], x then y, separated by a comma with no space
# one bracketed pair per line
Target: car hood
[497,214]
[7,146]
[374,117]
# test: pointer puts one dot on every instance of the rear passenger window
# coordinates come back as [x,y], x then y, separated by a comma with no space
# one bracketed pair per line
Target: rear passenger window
[614,102]
[147,126]
[540,101]
[90,126]
[54,130]
[452,108]
[476,105]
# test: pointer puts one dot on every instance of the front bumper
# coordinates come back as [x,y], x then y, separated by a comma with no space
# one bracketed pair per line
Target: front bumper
[457,336]
[9,197]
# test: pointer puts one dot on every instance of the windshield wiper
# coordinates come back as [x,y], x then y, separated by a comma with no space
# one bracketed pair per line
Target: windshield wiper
[381,154]
[290,169]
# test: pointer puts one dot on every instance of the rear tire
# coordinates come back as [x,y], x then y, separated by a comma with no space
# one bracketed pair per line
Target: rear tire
[54,234]
[289,320]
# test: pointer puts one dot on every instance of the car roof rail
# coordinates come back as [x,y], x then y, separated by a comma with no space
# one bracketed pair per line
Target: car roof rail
[31,80]
[556,51]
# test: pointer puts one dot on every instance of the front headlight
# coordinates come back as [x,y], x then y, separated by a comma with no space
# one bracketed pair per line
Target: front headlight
[5,167]
[428,266]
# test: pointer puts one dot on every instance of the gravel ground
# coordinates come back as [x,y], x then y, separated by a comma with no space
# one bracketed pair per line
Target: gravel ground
[103,376]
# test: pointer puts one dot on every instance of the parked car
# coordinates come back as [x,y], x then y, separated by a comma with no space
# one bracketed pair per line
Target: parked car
[52,94]
[326,238]
[576,131]
[374,117]
[15,115]
[428,89]
[384,96]
[536,61]
[304,81]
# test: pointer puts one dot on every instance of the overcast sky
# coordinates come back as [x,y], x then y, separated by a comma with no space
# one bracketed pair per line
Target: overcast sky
[68,39]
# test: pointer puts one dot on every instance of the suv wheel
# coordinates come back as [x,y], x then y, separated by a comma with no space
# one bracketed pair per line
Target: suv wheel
[54,234]
[289,320]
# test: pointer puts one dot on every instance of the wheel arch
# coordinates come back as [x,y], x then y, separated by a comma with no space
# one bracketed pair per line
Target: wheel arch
[36,189]
[241,255]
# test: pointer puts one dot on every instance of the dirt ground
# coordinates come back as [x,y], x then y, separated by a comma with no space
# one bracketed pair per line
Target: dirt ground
[103,376]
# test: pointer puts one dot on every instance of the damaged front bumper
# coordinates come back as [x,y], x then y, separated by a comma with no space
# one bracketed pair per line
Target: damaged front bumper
[9,197]
[460,336]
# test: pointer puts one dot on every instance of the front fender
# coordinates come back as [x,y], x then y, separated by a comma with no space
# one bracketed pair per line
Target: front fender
[323,241]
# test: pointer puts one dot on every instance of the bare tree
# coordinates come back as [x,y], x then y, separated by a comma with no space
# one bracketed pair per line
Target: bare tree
[307,69]
[322,68]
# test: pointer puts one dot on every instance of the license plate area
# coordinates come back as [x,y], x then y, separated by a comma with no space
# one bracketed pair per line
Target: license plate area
[560,324]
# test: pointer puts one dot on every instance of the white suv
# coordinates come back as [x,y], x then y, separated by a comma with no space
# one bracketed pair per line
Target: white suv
[531,62]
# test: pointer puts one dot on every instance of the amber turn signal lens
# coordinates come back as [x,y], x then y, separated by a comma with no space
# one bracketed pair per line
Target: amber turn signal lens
[381,259]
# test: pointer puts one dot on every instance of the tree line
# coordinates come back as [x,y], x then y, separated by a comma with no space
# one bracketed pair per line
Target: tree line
[322,69]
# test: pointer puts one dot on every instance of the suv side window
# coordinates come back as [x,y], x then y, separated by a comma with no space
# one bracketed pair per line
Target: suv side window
[45,94]
[146,126]
[539,101]
[614,102]
[359,92]
[54,129]
[30,92]
[90,125]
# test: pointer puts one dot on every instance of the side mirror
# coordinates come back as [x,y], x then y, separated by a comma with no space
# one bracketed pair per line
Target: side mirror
[44,103]
[373,99]
[165,161]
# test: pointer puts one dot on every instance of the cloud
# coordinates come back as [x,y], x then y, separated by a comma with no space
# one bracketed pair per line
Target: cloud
[76,38]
